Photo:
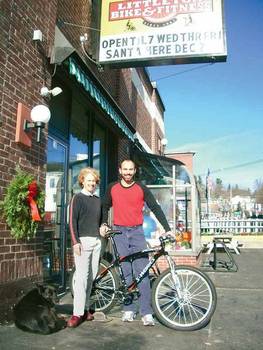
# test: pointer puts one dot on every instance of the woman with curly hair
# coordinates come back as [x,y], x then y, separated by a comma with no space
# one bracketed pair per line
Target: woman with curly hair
[84,224]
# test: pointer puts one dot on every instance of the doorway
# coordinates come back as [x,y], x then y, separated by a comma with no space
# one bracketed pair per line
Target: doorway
[55,229]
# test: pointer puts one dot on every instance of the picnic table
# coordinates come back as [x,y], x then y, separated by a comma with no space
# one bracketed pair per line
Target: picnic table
[221,241]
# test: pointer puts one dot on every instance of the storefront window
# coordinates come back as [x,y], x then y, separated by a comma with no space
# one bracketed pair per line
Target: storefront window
[78,160]
[99,152]
[174,189]
[87,147]
[79,145]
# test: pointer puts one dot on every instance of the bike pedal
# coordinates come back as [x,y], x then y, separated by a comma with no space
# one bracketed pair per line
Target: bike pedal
[127,300]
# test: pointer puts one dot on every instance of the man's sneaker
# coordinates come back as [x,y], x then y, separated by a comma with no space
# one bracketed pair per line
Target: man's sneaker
[75,321]
[148,320]
[128,316]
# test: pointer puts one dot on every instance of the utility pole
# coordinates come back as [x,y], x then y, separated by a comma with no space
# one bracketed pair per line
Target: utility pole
[208,193]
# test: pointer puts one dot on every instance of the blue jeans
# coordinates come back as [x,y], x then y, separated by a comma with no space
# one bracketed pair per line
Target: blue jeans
[132,240]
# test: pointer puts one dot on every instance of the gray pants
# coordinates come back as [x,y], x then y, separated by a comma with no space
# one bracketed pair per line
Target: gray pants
[87,265]
[132,240]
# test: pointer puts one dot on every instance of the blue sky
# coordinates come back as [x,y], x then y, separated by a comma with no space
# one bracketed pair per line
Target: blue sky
[217,110]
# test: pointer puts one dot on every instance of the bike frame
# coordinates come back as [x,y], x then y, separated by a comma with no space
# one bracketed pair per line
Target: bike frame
[118,260]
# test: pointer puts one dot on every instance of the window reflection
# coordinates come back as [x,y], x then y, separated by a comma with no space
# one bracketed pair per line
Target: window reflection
[99,152]
[78,159]
[87,145]
[79,145]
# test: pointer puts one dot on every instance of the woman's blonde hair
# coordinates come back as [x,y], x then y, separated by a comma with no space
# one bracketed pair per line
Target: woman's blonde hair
[84,172]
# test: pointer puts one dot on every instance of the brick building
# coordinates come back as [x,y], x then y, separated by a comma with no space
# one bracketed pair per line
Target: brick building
[95,122]
[185,157]
[103,115]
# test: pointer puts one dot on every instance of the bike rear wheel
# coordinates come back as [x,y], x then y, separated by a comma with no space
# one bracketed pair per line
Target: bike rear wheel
[197,303]
[103,294]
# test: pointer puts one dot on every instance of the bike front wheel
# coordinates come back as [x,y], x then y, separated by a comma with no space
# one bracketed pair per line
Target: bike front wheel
[193,308]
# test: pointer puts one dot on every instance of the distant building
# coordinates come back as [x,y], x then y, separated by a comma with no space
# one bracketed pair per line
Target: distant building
[184,157]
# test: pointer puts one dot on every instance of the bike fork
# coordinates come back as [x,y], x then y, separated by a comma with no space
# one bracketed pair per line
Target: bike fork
[175,277]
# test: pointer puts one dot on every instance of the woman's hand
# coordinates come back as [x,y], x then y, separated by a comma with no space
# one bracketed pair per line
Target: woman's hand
[77,249]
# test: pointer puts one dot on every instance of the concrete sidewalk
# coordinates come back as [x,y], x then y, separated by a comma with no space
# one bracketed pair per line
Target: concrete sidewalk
[236,324]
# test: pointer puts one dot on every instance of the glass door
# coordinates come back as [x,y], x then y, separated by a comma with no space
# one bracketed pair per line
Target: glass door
[55,214]
[98,150]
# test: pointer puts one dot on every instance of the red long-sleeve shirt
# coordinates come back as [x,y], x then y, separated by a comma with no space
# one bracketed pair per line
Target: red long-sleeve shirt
[128,202]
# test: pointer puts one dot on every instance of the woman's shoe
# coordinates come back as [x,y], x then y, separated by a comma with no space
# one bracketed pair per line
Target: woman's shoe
[75,321]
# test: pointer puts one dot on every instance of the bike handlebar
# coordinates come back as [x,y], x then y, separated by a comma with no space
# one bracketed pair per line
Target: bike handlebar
[167,239]
[112,233]
[163,239]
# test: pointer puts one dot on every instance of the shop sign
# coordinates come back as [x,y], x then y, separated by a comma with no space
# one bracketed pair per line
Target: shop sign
[150,32]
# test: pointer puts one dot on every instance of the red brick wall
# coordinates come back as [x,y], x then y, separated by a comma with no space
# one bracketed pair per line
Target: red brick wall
[145,79]
[19,258]
[126,95]
[131,102]
[144,122]
[180,260]
[156,138]
[23,71]
[186,158]
[157,100]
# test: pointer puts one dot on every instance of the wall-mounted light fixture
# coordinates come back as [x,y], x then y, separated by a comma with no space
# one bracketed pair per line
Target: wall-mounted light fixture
[164,143]
[28,120]
[40,116]
[45,92]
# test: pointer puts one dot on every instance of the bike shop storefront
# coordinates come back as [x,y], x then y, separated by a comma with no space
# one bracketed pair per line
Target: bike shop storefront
[82,132]
[175,190]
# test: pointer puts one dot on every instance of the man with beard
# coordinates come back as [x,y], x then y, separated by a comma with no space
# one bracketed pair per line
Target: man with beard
[127,198]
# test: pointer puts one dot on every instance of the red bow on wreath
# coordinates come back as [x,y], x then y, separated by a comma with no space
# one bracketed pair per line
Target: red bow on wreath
[32,193]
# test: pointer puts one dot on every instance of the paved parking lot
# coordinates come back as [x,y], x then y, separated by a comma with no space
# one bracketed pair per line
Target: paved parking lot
[236,325]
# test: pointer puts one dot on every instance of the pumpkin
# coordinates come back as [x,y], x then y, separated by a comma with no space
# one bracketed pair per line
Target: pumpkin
[187,236]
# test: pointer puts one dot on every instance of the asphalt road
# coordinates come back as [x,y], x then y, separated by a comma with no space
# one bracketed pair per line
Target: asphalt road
[236,325]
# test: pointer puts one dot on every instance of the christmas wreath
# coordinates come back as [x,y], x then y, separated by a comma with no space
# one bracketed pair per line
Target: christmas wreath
[23,205]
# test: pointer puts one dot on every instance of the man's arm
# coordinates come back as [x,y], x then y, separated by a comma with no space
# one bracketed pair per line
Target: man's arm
[106,204]
[155,208]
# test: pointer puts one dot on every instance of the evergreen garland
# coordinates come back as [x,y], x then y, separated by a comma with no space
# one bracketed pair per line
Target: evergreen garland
[15,207]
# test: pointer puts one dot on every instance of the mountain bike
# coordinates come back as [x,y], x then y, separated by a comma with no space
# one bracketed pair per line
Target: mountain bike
[183,297]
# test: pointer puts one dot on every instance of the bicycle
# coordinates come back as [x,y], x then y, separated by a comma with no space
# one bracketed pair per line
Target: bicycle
[183,297]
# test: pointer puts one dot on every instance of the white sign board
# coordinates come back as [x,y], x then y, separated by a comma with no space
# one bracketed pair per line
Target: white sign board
[151,31]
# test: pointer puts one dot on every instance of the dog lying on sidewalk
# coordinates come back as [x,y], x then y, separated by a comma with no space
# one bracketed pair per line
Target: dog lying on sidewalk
[35,312]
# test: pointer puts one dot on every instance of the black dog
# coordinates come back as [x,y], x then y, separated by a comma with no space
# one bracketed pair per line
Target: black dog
[35,312]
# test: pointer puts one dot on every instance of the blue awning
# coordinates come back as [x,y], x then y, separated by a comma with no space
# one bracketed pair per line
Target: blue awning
[95,93]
